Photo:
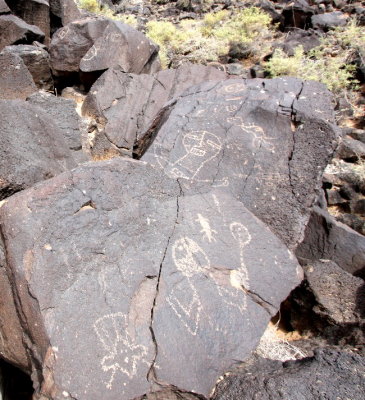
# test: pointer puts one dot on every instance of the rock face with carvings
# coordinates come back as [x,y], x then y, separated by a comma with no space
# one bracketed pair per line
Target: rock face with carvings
[96,44]
[117,269]
[266,142]
[119,103]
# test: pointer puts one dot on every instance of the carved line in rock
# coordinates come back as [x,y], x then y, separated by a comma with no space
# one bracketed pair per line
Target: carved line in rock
[200,147]
[122,352]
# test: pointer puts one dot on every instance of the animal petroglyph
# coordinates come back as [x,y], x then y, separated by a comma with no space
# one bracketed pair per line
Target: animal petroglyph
[207,231]
[200,148]
[123,354]
[256,131]
[190,260]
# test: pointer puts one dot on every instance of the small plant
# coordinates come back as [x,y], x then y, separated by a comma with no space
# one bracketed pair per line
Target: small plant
[97,7]
[209,39]
[329,63]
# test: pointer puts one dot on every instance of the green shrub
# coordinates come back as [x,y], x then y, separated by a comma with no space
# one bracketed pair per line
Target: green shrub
[329,63]
[207,40]
[96,7]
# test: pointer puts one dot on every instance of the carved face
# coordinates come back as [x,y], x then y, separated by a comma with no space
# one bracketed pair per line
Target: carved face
[202,144]
[240,233]
[189,258]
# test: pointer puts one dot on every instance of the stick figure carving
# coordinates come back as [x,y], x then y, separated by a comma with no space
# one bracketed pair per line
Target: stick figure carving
[243,237]
[190,260]
[123,353]
[200,148]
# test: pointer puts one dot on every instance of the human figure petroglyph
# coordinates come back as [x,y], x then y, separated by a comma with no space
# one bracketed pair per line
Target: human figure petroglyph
[256,131]
[207,231]
[201,148]
[122,352]
[190,260]
[243,238]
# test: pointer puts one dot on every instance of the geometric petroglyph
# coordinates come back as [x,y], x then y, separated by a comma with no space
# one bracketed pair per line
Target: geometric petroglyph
[232,88]
[122,353]
[256,131]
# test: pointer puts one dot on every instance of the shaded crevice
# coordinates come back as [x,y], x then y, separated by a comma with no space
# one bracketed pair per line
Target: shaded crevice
[268,307]
[151,375]
[295,122]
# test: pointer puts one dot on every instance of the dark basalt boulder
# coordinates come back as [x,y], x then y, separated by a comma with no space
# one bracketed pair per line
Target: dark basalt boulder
[63,114]
[16,82]
[117,270]
[330,303]
[297,14]
[36,60]
[308,39]
[32,147]
[266,142]
[326,238]
[329,374]
[126,104]
[329,20]
[14,30]
[33,12]
[63,12]
[96,44]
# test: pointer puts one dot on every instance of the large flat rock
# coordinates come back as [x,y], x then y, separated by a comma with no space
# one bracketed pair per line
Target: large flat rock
[266,142]
[32,147]
[121,274]
[127,104]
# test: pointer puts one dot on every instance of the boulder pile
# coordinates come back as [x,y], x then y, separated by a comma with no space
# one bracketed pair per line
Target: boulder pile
[152,223]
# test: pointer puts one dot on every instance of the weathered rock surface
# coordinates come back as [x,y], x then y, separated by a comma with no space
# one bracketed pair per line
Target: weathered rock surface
[33,12]
[36,60]
[326,238]
[329,20]
[330,374]
[4,9]
[266,142]
[127,104]
[32,147]
[63,114]
[91,45]
[14,30]
[297,14]
[63,12]
[117,270]
[330,303]
[16,82]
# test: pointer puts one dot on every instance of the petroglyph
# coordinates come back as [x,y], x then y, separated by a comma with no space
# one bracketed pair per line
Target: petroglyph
[123,354]
[243,238]
[256,131]
[190,260]
[207,231]
[232,88]
[92,53]
[201,148]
